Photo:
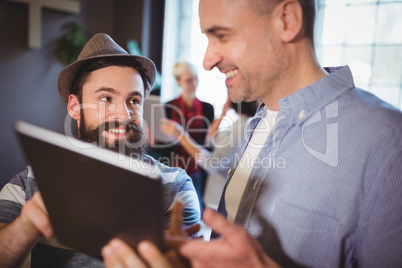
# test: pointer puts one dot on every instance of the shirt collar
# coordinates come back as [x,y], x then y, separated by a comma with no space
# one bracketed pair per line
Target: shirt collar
[307,101]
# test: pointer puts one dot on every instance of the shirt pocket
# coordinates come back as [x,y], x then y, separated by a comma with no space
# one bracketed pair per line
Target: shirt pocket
[308,234]
[306,219]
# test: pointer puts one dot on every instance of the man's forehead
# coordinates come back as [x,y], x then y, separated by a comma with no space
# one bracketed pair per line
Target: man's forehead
[219,13]
[115,79]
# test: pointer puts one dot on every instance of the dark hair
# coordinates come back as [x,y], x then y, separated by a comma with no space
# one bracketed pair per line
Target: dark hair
[247,108]
[100,63]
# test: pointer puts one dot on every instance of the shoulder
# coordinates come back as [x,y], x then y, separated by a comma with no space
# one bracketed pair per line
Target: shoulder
[13,196]
[369,128]
[208,110]
[207,106]
[169,106]
[173,175]
[177,186]
[169,102]
[371,114]
[172,102]
[20,179]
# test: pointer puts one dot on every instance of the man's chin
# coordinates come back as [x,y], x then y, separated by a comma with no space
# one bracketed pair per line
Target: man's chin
[116,144]
[131,143]
[123,146]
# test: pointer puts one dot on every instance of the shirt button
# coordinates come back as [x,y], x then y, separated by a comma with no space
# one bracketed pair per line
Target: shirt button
[230,171]
[302,114]
[255,185]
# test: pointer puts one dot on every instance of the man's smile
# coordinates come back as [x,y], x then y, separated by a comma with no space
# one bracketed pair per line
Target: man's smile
[231,73]
[120,132]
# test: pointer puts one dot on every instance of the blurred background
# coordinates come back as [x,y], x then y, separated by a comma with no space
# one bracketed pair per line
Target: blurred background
[364,34]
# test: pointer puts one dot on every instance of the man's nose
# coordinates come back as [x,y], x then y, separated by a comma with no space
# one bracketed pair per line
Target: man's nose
[121,112]
[211,58]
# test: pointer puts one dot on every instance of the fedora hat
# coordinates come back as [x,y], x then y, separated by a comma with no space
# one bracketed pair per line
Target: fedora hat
[102,46]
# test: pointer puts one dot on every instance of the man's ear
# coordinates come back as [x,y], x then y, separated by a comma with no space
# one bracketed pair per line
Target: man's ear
[288,20]
[73,107]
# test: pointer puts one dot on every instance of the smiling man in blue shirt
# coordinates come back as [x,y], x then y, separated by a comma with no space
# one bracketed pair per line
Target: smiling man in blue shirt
[317,181]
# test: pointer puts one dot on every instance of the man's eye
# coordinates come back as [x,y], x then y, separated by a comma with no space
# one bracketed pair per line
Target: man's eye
[220,37]
[106,99]
[135,101]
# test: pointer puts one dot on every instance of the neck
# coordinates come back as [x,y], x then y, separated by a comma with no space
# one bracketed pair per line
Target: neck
[303,70]
[188,99]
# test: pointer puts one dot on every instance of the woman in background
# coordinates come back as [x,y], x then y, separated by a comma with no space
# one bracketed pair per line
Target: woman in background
[225,145]
[192,115]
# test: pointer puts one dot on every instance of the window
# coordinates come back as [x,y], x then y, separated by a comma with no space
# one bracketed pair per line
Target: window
[184,41]
[364,34]
[367,36]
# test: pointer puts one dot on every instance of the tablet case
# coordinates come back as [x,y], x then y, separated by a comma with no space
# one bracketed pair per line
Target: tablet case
[154,110]
[92,194]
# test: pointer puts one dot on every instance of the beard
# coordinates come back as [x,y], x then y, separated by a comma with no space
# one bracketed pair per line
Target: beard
[133,145]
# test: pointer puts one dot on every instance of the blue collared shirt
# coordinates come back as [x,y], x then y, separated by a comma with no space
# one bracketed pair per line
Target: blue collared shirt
[327,189]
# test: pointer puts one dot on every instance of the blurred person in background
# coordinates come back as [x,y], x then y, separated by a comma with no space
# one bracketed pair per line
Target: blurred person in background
[225,143]
[194,116]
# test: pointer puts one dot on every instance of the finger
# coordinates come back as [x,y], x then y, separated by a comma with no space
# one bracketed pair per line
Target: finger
[198,249]
[192,230]
[110,259]
[174,241]
[34,218]
[176,260]
[176,220]
[221,225]
[164,130]
[119,254]
[46,226]
[165,121]
[39,200]
[152,255]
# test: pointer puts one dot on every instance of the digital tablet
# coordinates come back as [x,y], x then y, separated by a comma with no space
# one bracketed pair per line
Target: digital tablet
[154,110]
[92,194]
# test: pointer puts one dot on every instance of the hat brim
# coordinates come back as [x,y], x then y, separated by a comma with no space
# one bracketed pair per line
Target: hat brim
[67,76]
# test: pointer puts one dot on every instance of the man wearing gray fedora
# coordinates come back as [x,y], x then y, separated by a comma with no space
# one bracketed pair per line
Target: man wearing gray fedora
[104,90]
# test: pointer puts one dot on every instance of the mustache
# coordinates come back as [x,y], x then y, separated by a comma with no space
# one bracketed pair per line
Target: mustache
[128,125]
